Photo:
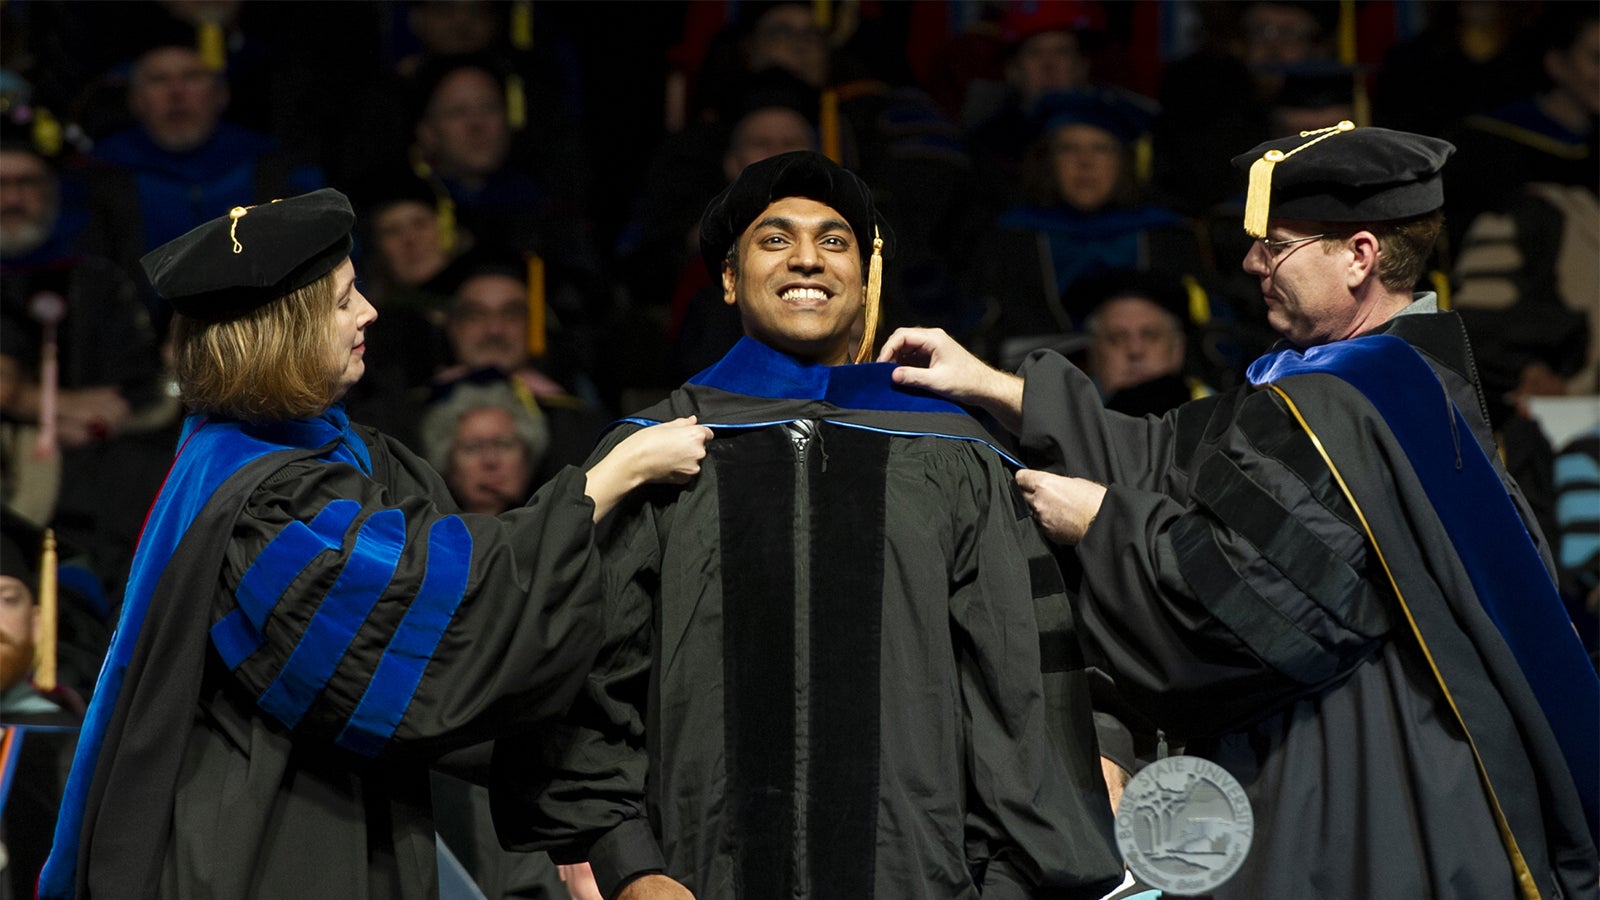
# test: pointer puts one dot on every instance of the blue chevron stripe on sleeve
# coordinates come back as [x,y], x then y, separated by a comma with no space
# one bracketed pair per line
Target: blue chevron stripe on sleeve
[288,555]
[365,577]
[400,670]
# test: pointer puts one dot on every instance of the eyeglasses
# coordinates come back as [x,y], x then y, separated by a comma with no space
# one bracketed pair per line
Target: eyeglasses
[499,445]
[1272,247]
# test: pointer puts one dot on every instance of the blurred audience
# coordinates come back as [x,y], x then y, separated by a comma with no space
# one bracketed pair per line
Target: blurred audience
[1083,215]
[488,335]
[75,340]
[1480,48]
[1044,47]
[1219,98]
[1525,183]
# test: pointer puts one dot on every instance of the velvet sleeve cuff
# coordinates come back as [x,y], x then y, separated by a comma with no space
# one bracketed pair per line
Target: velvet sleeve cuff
[624,853]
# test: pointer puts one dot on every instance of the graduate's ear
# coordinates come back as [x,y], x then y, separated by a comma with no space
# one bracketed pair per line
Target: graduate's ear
[729,278]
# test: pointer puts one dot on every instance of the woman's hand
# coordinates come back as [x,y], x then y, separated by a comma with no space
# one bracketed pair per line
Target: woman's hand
[668,453]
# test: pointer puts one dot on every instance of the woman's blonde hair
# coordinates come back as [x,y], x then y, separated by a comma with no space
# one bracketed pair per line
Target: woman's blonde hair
[274,362]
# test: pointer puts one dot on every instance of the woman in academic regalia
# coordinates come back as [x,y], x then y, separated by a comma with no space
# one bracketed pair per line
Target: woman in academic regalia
[309,625]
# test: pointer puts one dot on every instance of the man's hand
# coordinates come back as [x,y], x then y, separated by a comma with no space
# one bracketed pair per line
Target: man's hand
[932,360]
[1064,507]
[655,887]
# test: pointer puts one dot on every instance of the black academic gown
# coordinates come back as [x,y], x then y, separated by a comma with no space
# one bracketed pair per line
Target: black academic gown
[838,666]
[325,628]
[1229,585]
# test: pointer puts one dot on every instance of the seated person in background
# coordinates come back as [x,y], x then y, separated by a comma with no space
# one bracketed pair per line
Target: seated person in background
[468,146]
[181,164]
[410,242]
[75,471]
[107,357]
[1138,345]
[1047,49]
[1527,270]
[1082,217]
[38,729]
[488,337]
[486,444]
[1546,136]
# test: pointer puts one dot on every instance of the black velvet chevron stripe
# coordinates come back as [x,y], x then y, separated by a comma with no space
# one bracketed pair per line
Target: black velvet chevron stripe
[1300,555]
[1270,429]
[847,535]
[756,504]
[1271,636]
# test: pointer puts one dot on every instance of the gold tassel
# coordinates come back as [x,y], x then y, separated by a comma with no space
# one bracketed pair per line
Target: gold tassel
[1258,202]
[822,14]
[536,330]
[869,330]
[522,24]
[44,673]
[516,103]
[828,126]
[212,46]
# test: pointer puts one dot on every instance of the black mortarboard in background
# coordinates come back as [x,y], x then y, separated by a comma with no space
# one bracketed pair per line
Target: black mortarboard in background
[1085,296]
[798,173]
[1111,111]
[252,256]
[1344,174]
[770,87]
[482,259]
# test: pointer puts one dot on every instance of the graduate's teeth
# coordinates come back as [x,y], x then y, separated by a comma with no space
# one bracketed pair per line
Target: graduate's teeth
[794,294]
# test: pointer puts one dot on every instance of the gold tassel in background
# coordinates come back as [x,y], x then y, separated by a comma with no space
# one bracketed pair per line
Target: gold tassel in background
[44,673]
[211,43]
[536,326]
[522,24]
[874,292]
[516,103]
[828,126]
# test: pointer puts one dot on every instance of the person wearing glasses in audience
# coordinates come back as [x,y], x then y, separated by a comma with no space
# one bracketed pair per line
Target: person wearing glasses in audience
[1324,581]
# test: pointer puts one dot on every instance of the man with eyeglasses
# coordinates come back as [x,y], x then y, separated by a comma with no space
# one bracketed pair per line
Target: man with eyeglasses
[1324,581]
